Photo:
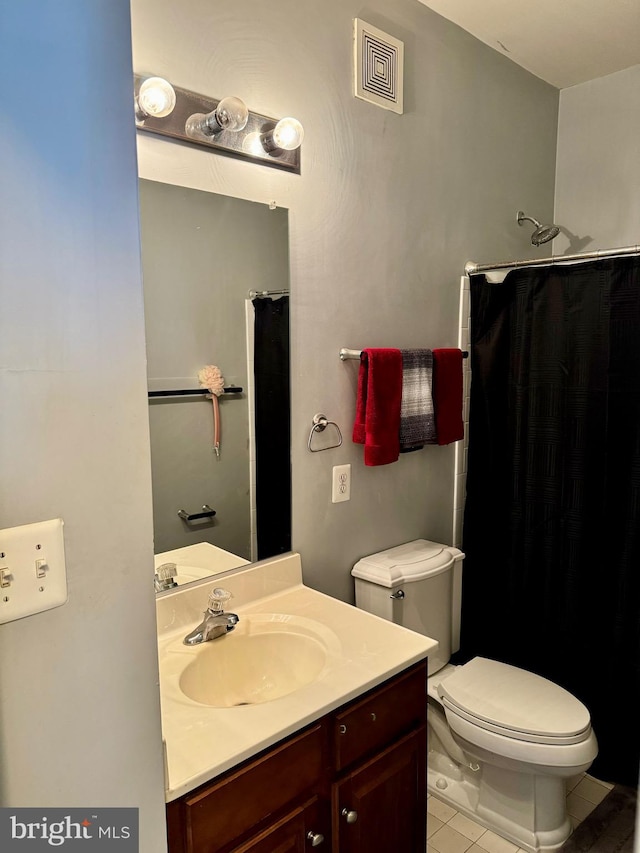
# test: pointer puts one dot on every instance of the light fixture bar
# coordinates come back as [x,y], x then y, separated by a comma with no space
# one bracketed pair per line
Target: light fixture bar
[245,144]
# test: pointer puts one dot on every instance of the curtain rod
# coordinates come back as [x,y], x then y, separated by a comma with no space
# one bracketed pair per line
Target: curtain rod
[471,267]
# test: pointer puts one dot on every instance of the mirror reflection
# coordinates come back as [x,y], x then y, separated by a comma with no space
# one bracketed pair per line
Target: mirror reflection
[220,461]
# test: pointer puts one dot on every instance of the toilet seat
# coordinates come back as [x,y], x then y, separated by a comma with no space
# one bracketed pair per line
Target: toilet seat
[514,703]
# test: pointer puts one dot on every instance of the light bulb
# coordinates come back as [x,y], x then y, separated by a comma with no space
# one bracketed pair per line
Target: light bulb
[156,97]
[287,135]
[232,114]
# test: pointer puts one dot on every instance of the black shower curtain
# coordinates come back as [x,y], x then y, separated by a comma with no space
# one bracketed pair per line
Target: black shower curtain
[272,421]
[552,518]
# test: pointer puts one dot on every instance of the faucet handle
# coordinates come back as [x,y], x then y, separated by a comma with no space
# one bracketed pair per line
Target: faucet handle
[218,597]
[164,576]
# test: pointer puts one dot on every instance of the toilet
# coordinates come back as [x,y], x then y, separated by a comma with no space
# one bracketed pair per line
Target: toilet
[501,740]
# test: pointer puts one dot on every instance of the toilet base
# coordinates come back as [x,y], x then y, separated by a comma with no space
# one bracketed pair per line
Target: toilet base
[528,810]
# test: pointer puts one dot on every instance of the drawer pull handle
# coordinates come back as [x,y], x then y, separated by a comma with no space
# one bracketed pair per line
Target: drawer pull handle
[349,815]
[343,729]
[316,838]
[397,596]
[373,717]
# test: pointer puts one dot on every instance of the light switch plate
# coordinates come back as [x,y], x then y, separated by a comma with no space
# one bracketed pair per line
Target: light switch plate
[32,568]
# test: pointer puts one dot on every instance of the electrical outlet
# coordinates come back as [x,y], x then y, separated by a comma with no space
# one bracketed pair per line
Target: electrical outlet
[341,484]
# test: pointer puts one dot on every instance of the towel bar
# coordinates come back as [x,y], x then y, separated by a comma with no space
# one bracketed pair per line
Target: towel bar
[190,392]
[355,353]
[206,512]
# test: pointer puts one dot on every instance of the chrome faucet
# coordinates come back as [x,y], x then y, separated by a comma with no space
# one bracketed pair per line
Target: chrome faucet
[216,622]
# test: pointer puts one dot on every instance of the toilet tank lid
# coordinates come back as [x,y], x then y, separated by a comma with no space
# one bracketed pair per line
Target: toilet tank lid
[516,700]
[412,561]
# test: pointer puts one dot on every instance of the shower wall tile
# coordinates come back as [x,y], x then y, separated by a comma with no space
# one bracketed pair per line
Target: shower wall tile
[466,382]
[466,295]
[461,490]
[457,528]
[461,457]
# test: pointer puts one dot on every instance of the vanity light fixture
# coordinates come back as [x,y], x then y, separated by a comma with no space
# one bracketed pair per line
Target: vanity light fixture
[225,126]
[156,98]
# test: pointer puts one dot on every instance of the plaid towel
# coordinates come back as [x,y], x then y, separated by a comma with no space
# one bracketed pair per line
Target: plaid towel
[417,421]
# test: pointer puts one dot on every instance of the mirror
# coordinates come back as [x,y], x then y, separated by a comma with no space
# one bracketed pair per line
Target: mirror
[202,255]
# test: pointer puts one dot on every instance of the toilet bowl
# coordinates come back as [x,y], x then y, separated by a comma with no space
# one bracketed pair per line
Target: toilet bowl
[502,741]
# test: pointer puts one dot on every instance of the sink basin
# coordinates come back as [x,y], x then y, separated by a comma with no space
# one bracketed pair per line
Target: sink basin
[264,658]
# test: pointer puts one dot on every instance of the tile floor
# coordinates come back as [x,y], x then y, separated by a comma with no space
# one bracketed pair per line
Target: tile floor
[448,831]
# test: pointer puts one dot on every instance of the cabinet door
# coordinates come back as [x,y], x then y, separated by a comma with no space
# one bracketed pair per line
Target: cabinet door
[296,832]
[381,806]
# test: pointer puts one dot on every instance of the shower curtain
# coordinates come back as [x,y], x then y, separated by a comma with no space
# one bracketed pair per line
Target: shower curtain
[552,517]
[272,427]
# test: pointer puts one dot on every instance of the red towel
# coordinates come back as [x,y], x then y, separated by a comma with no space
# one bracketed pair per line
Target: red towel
[447,394]
[377,423]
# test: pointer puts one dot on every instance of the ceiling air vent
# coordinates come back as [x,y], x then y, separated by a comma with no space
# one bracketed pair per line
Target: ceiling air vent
[378,66]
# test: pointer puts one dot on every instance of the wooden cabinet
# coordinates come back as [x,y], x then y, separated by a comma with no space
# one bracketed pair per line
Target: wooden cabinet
[296,832]
[380,806]
[354,781]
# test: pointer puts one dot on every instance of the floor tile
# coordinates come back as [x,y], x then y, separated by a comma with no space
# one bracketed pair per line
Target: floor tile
[571,783]
[447,840]
[579,807]
[591,790]
[440,810]
[467,827]
[433,825]
[495,844]
[608,785]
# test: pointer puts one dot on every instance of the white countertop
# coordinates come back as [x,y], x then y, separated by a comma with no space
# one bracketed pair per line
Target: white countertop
[200,561]
[202,742]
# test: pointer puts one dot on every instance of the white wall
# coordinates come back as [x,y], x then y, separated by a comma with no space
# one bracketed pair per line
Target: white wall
[598,166]
[79,716]
[386,212]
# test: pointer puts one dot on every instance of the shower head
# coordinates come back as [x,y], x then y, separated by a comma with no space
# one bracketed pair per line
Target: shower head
[543,233]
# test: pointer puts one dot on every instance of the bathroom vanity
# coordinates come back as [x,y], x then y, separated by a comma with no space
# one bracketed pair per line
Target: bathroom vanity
[356,780]
[317,740]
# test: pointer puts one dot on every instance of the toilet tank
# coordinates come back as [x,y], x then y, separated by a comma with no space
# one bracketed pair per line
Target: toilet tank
[417,585]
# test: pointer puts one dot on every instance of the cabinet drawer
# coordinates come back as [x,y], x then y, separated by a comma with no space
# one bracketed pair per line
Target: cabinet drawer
[231,807]
[293,833]
[386,713]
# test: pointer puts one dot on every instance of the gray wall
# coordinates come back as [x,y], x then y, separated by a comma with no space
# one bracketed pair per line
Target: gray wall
[598,170]
[79,717]
[201,254]
[386,212]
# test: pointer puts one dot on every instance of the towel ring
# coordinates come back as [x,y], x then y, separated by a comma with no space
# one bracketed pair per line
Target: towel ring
[320,423]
